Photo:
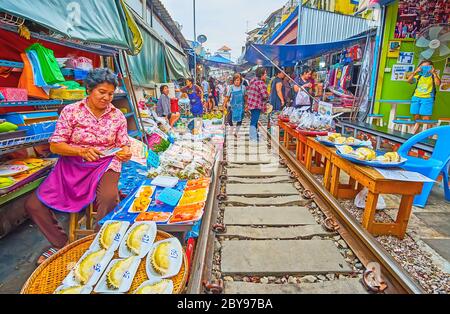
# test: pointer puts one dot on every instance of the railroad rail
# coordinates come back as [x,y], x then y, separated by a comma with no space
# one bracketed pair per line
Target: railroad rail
[381,272]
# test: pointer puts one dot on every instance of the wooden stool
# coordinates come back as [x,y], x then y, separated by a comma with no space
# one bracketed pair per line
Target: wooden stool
[78,219]
[377,118]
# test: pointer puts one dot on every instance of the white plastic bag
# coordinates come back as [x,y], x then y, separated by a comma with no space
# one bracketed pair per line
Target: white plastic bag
[361,198]
[302,99]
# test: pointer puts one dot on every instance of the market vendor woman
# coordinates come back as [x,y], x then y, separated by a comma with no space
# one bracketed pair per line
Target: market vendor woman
[195,95]
[85,131]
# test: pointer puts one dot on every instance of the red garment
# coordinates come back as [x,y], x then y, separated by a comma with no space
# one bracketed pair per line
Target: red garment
[174,105]
[257,94]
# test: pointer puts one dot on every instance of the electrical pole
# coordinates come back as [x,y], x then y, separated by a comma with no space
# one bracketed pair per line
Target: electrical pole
[193,46]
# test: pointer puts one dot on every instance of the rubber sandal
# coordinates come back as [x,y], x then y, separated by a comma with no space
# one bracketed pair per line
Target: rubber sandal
[46,255]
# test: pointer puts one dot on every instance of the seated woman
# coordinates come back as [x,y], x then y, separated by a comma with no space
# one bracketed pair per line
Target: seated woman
[85,131]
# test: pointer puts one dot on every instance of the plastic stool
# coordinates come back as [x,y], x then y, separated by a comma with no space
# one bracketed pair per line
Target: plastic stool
[378,118]
[408,118]
[405,126]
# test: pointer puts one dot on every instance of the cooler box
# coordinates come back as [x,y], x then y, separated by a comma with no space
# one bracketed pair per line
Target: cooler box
[13,94]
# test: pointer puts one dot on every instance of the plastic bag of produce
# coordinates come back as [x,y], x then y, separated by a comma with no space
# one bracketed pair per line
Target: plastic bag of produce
[361,198]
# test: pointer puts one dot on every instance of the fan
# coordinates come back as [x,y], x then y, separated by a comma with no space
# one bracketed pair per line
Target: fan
[433,42]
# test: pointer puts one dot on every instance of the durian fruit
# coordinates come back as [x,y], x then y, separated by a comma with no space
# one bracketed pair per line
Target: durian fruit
[346,149]
[70,290]
[382,159]
[85,268]
[367,153]
[134,239]
[160,258]
[333,136]
[114,277]
[340,140]
[392,157]
[350,140]
[108,233]
[156,288]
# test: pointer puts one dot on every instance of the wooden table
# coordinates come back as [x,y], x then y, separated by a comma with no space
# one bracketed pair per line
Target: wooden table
[300,146]
[321,151]
[370,178]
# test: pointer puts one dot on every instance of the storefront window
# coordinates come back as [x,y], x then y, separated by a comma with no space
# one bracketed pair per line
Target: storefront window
[136,5]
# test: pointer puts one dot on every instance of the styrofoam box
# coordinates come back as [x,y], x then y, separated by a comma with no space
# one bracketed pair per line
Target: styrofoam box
[146,241]
[117,238]
[128,277]
[175,256]
[98,268]
[164,181]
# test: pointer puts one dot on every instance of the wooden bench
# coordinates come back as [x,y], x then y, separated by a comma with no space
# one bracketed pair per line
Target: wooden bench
[300,145]
[370,178]
[315,151]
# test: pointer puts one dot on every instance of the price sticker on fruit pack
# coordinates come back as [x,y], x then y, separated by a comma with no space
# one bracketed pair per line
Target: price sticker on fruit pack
[173,253]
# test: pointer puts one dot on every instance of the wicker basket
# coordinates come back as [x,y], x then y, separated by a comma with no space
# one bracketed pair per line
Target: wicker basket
[49,276]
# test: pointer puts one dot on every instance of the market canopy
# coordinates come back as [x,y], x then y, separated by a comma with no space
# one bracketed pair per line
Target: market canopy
[289,55]
[148,67]
[106,22]
[177,63]
[217,61]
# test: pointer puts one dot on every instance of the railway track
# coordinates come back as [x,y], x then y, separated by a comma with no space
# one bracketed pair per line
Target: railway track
[270,227]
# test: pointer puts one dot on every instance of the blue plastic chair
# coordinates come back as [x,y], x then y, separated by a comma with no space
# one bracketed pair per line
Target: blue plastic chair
[433,167]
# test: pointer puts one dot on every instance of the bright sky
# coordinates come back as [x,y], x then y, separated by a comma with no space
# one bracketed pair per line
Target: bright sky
[224,22]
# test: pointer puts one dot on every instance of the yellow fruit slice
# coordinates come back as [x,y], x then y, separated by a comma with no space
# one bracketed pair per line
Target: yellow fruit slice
[108,233]
[115,276]
[157,288]
[85,268]
[160,258]
[134,239]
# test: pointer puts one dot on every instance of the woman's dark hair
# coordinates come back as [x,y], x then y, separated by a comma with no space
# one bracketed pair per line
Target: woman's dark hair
[161,89]
[260,72]
[190,80]
[100,76]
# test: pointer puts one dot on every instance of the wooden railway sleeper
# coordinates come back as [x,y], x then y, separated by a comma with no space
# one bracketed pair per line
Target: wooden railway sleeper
[215,287]
[372,280]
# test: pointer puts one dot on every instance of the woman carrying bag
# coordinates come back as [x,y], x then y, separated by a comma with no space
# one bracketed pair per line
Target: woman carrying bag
[237,98]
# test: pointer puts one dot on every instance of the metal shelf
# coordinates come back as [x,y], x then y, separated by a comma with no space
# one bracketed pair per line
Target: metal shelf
[37,103]
[11,64]
[9,146]
[21,191]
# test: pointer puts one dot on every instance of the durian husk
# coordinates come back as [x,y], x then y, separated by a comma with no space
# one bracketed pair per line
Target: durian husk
[115,275]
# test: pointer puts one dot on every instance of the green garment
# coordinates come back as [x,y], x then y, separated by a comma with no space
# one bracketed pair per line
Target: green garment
[49,66]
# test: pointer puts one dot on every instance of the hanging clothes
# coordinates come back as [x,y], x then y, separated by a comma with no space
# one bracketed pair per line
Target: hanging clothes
[50,67]
[27,81]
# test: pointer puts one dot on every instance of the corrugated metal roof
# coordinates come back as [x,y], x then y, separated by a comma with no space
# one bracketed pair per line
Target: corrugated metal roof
[322,26]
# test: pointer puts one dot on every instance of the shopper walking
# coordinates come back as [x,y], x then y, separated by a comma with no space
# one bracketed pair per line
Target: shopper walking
[257,97]
[304,88]
[85,131]
[236,97]
[277,91]
[205,87]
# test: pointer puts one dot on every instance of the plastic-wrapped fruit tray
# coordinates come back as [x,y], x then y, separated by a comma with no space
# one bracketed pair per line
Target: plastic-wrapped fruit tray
[312,133]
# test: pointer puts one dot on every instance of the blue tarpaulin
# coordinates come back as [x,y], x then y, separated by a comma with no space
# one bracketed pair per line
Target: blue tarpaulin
[218,61]
[289,55]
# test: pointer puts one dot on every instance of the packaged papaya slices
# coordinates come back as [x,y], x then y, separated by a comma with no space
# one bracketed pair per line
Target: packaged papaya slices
[187,213]
[154,216]
[202,183]
[193,197]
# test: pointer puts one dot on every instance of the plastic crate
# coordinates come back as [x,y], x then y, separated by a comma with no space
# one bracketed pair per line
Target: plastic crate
[79,74]
[40,128]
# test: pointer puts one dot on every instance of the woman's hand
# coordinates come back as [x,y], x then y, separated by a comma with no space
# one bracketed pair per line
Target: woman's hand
[90,154]
[124,155]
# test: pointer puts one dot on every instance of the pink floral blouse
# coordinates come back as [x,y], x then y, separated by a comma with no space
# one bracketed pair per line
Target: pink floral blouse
[78,126]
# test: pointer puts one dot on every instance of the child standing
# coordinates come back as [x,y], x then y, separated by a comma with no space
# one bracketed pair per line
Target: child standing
[426,79]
